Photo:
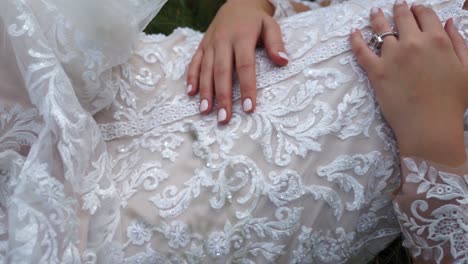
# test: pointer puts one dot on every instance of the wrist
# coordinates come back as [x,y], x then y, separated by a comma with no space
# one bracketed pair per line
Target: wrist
[444,147]
[264,5]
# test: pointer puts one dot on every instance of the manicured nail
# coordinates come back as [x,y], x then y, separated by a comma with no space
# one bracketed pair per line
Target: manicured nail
[283,55]
[189,88]
[353,30]
[247,105]
[399,2]
[222,115]
[203,105]
[374,10]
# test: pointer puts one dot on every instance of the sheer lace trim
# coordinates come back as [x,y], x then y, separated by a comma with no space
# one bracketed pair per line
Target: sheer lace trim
[432,208]
[283,9]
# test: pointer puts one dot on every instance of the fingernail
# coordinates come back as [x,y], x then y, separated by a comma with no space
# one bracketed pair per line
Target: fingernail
[203,105]
[247,105]
[353,30]
[189,88]
[374,10]
[222,115]
[399,2]
[283,55]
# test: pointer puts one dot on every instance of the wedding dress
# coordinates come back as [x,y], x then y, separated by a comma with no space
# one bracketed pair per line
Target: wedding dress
[104,159]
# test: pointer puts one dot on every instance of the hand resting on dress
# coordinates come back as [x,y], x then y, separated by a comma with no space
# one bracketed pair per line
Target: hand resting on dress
[230,42]
[420,82]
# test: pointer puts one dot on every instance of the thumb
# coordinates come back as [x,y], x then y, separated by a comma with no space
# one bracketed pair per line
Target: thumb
[273,42]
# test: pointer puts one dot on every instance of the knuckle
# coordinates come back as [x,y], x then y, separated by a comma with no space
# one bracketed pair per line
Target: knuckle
[378,74]
[440,40]
[243,33]
[206,67]
[221,70]
[400,15]
[248,90]
[205,91]
[204,45]
[380,24]
[222,97]
[205,73]
[192,77]
[206,84]
[411,45]
[219,36]
[245,66]
[359,51]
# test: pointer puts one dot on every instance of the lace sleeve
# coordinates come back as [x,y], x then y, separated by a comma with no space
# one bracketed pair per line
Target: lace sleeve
[432,209]
[284,8]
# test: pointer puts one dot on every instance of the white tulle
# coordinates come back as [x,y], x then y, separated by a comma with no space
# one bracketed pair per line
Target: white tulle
[104,159]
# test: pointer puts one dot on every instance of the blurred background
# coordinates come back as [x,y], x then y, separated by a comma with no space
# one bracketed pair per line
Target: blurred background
[197,14]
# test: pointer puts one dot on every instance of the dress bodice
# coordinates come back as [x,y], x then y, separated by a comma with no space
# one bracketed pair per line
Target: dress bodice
[122,168]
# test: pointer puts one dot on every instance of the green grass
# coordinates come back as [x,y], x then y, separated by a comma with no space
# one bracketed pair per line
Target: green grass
[198,14]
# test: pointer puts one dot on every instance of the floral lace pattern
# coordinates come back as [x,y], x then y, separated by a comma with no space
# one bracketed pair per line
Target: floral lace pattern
[283,8]
[432,209]
[307,178]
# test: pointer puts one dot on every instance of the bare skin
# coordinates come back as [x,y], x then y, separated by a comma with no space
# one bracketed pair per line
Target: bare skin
[420,82]
[229,45]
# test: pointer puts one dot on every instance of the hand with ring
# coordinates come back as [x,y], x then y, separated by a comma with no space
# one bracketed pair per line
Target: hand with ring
[420,78]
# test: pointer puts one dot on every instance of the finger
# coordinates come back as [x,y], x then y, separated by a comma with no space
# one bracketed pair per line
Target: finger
[404,20]
[458,42]
[273,42]
[206,82]
[223,64]
[380,25]
[193,74]
[364,55]
[427,19]
[245,67]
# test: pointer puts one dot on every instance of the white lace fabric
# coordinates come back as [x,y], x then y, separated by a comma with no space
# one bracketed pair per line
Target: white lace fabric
[104,159]
[284,8]
[432,209]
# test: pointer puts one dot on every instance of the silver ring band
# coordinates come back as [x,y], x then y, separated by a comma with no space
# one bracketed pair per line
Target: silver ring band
[377,39]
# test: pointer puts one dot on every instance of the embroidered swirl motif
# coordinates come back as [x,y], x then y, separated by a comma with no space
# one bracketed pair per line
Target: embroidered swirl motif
[435,222]
[171,186]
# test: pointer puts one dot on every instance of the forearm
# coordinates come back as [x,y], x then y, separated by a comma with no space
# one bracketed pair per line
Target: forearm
[439,138]
[265,5]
